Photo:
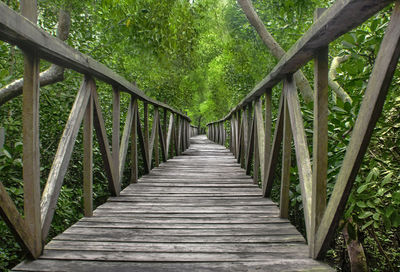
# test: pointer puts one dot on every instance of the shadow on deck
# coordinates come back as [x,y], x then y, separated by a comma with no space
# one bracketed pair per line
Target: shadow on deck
[198,211]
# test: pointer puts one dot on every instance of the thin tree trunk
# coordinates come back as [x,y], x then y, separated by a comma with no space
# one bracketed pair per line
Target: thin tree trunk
[52,75]
[332,79]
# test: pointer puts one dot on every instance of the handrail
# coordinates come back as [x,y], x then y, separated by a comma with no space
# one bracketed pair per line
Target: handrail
[170,134]
[334,22]
[248,133]
[18,30]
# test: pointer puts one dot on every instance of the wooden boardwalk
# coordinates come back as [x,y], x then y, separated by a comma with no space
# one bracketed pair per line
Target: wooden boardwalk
[196,212]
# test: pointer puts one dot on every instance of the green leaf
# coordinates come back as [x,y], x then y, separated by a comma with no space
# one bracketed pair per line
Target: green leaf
[366,225]
[361,204]
[365,214]
[395,218]
[387,179]
[362,188]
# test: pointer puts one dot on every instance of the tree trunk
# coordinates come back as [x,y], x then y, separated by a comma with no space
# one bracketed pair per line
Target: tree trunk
[358,261]
[52,75]
[332,79]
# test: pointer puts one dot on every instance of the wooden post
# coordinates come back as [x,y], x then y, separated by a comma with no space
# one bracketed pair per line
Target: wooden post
[268,129]
[286,161]
[256,154]
[165,116]
[88,159]
[116,113]
[146,131]
[156,120]
[134,153]
[260,135]
[30,124]
[320,139]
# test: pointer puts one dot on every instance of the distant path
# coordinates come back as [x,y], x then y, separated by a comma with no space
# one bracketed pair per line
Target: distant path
[196,212]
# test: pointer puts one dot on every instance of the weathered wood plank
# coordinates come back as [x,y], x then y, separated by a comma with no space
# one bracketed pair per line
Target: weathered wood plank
[134,152]
[116,116]
[301,148]
[126,135]
[260,134]
[368,115]
[88,159]
[286,163]
[142,143]
[30,132]
[169,134]
[63,155]
[273,157]
[320,139]
[16,223]
[101,133]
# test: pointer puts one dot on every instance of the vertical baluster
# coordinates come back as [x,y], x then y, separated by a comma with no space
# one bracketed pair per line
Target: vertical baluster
[286,161]
[156,120]
[320,138]
[30,124]
[88,159]
[146,132]
[116,113]
[256,154]
[268,128]
[134,153]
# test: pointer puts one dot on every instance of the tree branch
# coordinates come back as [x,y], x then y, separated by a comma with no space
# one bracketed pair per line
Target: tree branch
[52,75]
[332,79]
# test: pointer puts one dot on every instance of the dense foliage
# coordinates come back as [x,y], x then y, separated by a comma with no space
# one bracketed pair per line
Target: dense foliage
[203,57]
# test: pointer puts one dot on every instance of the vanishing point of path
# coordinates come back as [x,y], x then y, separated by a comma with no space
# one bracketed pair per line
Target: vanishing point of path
[196,212]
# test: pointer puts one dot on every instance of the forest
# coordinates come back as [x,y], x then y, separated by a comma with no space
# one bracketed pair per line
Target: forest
[202,57]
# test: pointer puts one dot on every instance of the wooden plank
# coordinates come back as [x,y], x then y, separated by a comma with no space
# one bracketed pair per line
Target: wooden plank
[88,159]
[260,135]
[250,147]
[134,152]
[320,138]
[273,157]
[30,128]
[61,160]
[301,147]
[126,135]
[368,115]
[101,133]
[246,130]
[256,153]
[169,134]
[153,145]
[116,115]
[164,155]
[142,144]
[340,18]
[18,30]
[103,266]
[268,128]
[286,163]
[16,223]
[146,133]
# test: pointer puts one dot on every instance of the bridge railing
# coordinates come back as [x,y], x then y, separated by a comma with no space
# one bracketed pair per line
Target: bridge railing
[169,134]
[249,129]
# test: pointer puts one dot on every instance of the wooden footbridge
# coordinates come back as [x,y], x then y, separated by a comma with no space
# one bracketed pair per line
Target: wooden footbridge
[199,210]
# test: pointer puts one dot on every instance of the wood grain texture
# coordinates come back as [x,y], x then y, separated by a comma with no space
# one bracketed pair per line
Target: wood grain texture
[126,135]
[301,148]
[273,157]
[61,160]
[258,115]
[116,116]
[368,115]
[16,223]
[286,164]
[30,131]
[101,133]
[194,220]
[88,159]
[134,151]
[320,138]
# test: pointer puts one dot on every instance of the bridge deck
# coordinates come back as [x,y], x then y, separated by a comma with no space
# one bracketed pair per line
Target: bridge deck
[198,212]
